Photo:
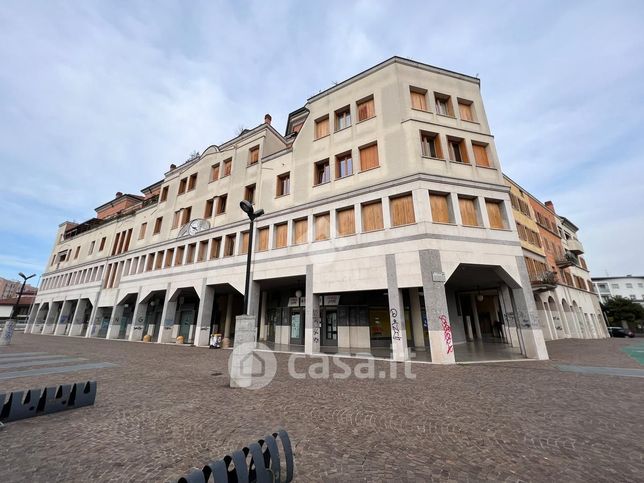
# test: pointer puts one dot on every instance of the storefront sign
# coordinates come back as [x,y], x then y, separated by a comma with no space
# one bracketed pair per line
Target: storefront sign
[331,300]
[302,301]
[438,277]
[293,302]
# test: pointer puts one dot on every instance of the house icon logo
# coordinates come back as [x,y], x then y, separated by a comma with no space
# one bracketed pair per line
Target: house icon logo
[252,365]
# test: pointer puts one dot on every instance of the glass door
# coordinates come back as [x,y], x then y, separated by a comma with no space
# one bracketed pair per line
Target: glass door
[186,319]
[297,326]
[330,328]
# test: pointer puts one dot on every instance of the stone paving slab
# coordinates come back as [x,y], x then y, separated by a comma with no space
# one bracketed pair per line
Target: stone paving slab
[162,411]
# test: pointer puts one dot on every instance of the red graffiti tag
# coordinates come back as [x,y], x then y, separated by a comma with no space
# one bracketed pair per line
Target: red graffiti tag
[447,333]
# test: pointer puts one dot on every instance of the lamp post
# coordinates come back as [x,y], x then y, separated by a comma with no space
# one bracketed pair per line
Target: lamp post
[11,323]
[247,207]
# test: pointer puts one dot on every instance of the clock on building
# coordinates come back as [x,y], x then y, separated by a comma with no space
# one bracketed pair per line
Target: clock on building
[193,227]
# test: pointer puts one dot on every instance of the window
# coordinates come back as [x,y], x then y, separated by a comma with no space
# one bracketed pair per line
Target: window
[372,216]
[164,194]
[443,105]
[192,182]
[322,226]
[214,172]
[281,239]
[262,239]
[322,172]
[465,110]
[210,206]
[229,246]
[480,154]
[369,157]
[253,155]
[249,193]
[345,222]
[228,166]
[91,248]
[221,204]
[628,285]
[342,118]
[77,252]
[203,248]
[439,205]
[430,145]
[157,225]
[366,109]
[469,214]
[179,258]
[495,214]
[214,248]
[343,165]
[283,184]
[300,231]
[142,230]
[102,245]
[457,150]
[418,98]
[243,249]
[158,260]
[168,258]
[149,264]
[614,285]
[175,219]
[402,210]
[186,214]
[182,186]
[322,127]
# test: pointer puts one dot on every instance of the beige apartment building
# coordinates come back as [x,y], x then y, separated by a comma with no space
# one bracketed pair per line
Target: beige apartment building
[387,230]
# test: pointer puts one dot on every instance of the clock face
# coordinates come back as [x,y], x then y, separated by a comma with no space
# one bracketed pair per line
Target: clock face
[194,227]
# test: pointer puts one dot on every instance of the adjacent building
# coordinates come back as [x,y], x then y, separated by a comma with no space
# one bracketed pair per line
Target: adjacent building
[11,288]
[628,286]
[388,229]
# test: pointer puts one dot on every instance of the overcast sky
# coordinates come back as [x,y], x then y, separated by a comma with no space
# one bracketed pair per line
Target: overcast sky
[98,97]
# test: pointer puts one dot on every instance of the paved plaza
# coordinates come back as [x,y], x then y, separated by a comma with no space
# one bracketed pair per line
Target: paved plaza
[161,409]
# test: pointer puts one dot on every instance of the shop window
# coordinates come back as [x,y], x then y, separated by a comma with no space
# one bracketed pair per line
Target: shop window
[372,216]
[402,210]
[322,226]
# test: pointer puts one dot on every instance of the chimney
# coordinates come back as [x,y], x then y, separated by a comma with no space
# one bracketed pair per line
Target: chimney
[118,194]
[268,119]
[550,205]
[173,166]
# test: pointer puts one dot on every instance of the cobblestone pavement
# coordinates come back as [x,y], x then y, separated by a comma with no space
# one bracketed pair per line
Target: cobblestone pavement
[161,411]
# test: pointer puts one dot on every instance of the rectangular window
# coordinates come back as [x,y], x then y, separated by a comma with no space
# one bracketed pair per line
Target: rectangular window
[142,230]
[366,109]
[221,204]
[443,104]
[91,248]
[77,252]
[157,225]
[102,245]
[283,184]
[229,246]
[158,260]
[402,210]
[439,205]
[322,172]
[228,166]
[215,245]
[249,193]
[322,226]
[262,239]
[192,182]
[457,150]
[468,211]
[369,157]
[281,237]
[495,214]
[214,172]
[168,258]
[322,127]
[253,155]
[164,194]
[465,110]
[244,243]
[342,118]
[190,256]
[372,216]
[149,263]
[186,215]
[300,231]
[179,258]
[182,186]
[480,154]
[176,219]
[418,98]
[343,165]
[345,222]
[210,206]
[430,145]
[203,249]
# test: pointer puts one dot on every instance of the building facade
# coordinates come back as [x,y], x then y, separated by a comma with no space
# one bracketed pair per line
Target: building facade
[629,287]
[11,288]
[388,229]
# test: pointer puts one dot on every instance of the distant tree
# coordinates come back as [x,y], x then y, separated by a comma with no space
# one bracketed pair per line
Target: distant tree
[240,130]
[619,309]
[193,155]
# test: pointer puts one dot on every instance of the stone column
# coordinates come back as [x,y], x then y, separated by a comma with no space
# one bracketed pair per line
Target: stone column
[417,318]
[115,321]
[91,327]
[312,333]
[510,323]
[396,312]
[204,315]
[439,328]
[167,318]
[475,318]
[262,317]
[32,318]
[50,321]
[229,321]
[138,319]
[77,322]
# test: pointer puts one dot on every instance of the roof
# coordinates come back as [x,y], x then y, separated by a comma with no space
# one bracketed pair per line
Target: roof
[594,279]
[119,198]
[26,299]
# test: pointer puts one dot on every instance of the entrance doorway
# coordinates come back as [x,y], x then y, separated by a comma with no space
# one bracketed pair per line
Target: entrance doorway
[297,326]
[186,319]
[330,327]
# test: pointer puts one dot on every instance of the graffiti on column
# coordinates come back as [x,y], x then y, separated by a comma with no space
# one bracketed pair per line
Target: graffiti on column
[316,325]
[395,325]
[447,333]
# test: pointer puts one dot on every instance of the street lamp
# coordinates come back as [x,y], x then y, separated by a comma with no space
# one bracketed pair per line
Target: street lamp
[247,207]
[5,339]
[24,282]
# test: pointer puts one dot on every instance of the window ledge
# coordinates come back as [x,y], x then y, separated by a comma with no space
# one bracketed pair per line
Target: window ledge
[365,120]
[405,224]
[321,240]
[432,157]
[446,223]
[421,110]
[213,180]
[343,177]
[474,226]
[281,196]
[343,129]
[322,184]
[473,122]
[370,169]
[375,230]
[322,137]
[449,116]
[501,229]
[486,167]
[459,162]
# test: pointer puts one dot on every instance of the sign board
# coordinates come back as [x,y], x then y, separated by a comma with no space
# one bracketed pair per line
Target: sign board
[438,277]
[331,300]
[302,301]
[293,302]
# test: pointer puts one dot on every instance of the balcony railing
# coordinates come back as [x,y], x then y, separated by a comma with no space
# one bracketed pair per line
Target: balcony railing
[575,246]
[544,281]
[568,260]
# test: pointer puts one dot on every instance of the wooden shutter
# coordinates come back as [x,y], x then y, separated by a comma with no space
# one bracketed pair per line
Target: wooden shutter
[418,100]
[215,245]
[480,155]
[468,211]
[366,110]
[281,235]
[228,164]
[229,247]
[321,127]
[439,207]
[495,215]
[300,231]
[372,216]
[262,239]
[178,260]
[203,248]
[142,230]
[369,157]
[254,155]
[346,222]
[466,111]
[209,208]
[244,243]
[322,226]
[214,172]
[402,210]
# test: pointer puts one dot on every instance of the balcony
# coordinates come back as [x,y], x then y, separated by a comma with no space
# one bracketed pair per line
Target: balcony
[575,246]
[568,260]
[544,281]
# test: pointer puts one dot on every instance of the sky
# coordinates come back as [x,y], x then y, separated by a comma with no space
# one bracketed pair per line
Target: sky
[102,96]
